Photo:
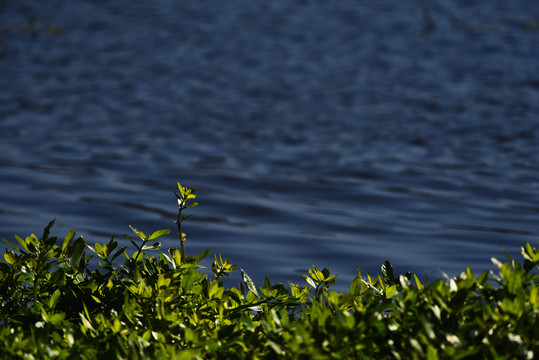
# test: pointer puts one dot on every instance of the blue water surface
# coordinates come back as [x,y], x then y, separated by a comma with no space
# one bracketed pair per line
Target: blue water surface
[329,133]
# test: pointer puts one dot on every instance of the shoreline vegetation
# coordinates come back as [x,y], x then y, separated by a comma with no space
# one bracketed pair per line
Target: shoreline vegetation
[150,304]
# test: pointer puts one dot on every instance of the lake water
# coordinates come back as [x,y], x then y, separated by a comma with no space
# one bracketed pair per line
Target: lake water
[338,134]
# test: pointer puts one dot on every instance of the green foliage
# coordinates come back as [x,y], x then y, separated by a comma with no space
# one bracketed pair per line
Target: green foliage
[56,304]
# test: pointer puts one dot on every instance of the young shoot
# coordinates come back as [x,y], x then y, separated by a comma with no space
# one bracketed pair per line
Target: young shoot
[184,196]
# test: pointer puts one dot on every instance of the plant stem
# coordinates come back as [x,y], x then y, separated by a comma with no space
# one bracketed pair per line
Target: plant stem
[180,234]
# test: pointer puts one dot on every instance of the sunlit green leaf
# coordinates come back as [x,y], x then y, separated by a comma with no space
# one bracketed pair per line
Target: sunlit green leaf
[309,281]
[154,246]
[13,246]
[10,256]
[181,189]
[187,280]
[67,241]
[387,273]
[54,298]
[158,234]
[250,284]
[390,291]
[418,283]
[139,233]
[86,323]
[177,256]
[214,290]
[100,249]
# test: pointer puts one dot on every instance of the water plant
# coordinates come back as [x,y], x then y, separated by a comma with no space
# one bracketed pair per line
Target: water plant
[64,299]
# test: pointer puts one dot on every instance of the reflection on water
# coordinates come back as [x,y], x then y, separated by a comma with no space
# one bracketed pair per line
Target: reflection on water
[317,133]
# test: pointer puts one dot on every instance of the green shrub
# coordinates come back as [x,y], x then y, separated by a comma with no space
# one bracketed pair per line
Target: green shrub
[57,303]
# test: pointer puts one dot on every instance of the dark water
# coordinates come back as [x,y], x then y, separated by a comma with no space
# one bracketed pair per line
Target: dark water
[339,134]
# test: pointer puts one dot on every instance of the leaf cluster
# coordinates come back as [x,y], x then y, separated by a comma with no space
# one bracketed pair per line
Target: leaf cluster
[152,304]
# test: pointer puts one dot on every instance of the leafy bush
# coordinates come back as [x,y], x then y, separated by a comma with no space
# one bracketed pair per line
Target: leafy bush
[56,303]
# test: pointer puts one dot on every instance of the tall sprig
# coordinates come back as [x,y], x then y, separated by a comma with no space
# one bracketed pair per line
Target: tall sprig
[183,197]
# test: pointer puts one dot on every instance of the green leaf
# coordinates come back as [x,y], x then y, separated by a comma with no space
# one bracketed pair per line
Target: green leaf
[534,297]
[316,275]
[31,241]
[92,248]
[54,298]
[418,283]
[15,247]
[250,284]
[390,291]
[246,320]
[265,291]
[116,326]
[431,353]
[182,190]
[330,280]
[177,256]
[355,286]
[67,241]
[77,249]
[387,272]
[47,230]
[118,253]
[188,215]
[158,234]
[139,233]
[326,272]
[10,256]
[187,281]
[56,319]
[201,256]
[84,260]
[57,277]
[309,281]
[131,240]
[530,253]
[101,250]
[214,290]
[155,246]
[137,255]
[111,246]
[86,322]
